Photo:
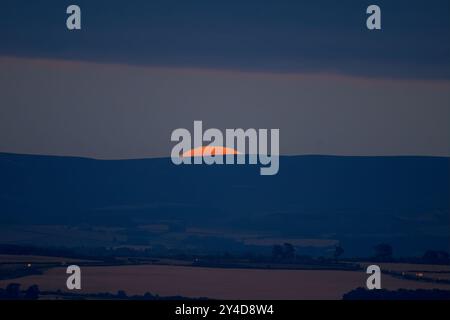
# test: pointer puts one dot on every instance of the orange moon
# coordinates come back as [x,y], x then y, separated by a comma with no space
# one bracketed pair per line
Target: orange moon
[209,151]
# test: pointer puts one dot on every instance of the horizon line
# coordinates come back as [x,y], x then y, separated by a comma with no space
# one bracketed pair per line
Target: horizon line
[168,157]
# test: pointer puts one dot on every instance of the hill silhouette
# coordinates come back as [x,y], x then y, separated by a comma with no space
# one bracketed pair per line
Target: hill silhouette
[402,200]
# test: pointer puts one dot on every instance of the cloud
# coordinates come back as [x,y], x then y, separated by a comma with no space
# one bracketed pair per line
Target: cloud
[324,36]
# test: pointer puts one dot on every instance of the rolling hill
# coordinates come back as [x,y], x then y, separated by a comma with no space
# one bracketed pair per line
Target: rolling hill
[357,200]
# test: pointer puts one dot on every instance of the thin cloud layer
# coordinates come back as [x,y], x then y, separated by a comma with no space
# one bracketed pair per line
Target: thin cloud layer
[324,36]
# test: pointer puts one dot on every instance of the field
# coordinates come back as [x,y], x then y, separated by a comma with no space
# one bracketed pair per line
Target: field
[219,283]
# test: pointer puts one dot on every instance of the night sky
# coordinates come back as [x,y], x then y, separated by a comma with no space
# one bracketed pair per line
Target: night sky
[139,69]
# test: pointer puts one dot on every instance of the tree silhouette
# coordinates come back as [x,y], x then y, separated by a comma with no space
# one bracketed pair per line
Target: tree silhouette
[277,252]
[32,293]
[432,256]
[289,251]
[338,251]
[121,294]
[383,251]
[285,252]
[13,291]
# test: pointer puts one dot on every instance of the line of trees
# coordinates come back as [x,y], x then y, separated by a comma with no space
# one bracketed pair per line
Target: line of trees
[13,292]
[382,252]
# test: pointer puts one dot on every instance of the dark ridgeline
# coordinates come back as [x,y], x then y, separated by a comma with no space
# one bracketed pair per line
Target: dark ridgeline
[362,201]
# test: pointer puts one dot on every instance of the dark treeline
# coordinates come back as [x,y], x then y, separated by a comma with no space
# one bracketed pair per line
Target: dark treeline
[285,253]
[13,291]
[401,294]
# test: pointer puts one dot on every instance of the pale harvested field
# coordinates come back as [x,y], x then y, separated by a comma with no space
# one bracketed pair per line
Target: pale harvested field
[217,283]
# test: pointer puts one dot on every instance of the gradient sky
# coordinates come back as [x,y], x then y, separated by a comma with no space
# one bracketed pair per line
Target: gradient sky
[140,69]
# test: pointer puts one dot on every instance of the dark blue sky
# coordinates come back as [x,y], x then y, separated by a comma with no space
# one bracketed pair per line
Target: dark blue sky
[280,36]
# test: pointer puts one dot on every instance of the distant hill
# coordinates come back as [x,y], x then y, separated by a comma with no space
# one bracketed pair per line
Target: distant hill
[401,200]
